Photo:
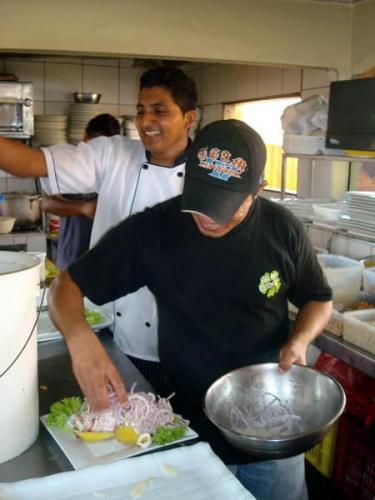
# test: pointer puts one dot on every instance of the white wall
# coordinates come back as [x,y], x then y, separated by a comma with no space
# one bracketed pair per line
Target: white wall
[363,37]
[280,32]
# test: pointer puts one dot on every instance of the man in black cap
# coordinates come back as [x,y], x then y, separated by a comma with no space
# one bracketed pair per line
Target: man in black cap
[222,263]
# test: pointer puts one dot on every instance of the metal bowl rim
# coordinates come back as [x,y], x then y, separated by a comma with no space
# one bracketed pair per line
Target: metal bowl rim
[269,440]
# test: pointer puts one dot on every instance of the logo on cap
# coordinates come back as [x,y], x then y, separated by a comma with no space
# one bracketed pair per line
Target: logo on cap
[220,163]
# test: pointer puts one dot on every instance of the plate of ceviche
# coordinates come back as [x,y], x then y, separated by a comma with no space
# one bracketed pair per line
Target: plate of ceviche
[146,422]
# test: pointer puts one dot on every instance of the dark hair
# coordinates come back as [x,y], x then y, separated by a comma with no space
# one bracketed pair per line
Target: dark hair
[182,87]
[104,124]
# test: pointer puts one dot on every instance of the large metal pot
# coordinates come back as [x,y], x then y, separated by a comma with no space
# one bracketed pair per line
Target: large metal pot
[24,207]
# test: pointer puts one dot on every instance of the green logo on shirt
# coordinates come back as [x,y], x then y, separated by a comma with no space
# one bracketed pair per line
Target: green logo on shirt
[270,283]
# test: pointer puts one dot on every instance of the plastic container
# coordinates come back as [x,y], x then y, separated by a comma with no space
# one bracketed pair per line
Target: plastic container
[336,323]
[307,144]
[327,211]
[303,144]
[344,275]
[369,280]
[358,331]
[322,456]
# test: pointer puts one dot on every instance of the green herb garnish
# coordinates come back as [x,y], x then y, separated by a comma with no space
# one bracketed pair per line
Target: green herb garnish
[164,435]
[93,317]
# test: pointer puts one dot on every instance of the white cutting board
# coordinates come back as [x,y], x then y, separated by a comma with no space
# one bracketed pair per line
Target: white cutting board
[185,473]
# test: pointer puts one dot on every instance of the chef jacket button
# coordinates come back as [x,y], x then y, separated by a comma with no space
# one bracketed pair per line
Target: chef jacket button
[145,166]
[118,314]
[148,324]
[180,174]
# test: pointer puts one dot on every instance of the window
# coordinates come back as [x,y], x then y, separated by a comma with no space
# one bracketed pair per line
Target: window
[264,116]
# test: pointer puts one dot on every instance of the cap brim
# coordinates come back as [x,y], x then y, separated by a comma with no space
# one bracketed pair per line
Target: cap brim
[215,202]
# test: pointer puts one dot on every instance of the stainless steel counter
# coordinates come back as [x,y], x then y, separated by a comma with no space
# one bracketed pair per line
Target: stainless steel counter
[349,353]
[45,457]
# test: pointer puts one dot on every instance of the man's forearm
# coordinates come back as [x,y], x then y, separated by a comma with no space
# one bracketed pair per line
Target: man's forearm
[66,307]
[64,208]
[21,160]
[311,320]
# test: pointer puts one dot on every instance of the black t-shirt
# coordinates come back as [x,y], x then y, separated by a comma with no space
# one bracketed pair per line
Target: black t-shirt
[222,301]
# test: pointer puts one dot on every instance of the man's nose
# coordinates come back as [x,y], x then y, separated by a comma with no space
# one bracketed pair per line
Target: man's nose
[147,119]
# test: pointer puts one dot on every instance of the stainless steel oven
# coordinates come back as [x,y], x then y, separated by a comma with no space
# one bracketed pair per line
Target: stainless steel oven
[16,110]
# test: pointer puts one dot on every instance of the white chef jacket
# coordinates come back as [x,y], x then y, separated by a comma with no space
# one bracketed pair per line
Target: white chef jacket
[118,170]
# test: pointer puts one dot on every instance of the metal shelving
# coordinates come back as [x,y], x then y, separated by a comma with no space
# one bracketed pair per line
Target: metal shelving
[313,159]
[350,354]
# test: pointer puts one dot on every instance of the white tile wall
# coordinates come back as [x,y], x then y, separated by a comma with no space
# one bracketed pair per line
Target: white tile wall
[246,83]
[316,78]
[291,80]
[29,71]
[104,80]
[62,80]
[55,80]
[270,81]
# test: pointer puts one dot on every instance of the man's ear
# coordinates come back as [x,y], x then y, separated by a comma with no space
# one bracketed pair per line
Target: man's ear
[190,117]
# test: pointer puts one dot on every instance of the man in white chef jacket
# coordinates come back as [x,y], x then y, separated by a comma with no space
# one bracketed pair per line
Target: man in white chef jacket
[128,176]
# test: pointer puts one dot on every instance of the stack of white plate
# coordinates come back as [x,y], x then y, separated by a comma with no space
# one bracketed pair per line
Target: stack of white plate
[50,129]
[129,128]
[359,216]
[79,116]
[301,208]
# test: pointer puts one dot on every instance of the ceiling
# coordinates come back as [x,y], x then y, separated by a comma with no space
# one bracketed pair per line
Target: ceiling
[338,1]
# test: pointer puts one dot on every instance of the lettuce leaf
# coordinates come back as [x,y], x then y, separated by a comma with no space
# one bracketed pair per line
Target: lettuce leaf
[62,410]
[93,317]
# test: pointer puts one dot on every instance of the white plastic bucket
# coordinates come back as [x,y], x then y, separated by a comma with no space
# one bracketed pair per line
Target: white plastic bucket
[19,415]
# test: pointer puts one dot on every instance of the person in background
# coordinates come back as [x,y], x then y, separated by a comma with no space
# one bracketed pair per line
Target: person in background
[222,263]
[128,176]
[77,211]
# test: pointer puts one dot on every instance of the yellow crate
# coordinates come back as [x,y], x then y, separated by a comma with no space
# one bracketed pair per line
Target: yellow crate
[323,454]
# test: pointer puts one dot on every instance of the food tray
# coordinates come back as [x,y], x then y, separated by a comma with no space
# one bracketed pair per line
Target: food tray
[358,331]
[336,323]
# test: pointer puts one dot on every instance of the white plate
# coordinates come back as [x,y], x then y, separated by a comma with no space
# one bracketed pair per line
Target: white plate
[83,454]
[198,474]
[47,330]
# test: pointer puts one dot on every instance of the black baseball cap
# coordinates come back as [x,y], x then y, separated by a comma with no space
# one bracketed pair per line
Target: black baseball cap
[224,165]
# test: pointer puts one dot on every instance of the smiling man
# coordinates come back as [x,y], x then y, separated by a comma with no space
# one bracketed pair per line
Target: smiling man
[222,263]
[128,176]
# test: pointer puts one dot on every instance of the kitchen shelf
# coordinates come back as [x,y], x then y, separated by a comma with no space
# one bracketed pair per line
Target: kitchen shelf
[349,353]
[313,159]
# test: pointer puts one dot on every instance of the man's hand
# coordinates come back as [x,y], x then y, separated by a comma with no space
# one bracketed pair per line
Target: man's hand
[293,352]
[95,371]
[311,320]
[89,208]
[92,366]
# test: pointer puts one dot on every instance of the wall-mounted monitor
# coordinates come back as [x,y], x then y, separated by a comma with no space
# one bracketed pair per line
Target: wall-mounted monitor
[351,115]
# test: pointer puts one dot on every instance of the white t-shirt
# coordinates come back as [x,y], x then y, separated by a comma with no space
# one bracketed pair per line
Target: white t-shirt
[117,169]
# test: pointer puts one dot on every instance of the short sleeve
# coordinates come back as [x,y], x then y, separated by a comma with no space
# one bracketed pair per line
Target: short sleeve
[112,268]
[309,283]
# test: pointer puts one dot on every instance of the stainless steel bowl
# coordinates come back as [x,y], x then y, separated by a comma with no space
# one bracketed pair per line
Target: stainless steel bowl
[272,415]
[87,97]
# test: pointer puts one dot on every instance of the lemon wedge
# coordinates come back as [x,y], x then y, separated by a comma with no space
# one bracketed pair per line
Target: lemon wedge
[125,434]
[94,436]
